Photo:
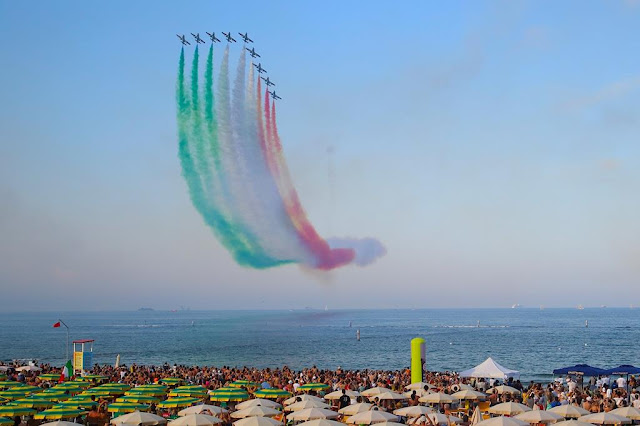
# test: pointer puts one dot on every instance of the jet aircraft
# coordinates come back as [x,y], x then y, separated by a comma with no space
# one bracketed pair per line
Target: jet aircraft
[228,36]
[259,67]
[197,37]
[183,40]
[274,96]
[246,38]
[252,52]
[269,82]
[213,37]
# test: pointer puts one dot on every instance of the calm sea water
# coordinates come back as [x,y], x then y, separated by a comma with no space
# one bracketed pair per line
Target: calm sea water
[533,341]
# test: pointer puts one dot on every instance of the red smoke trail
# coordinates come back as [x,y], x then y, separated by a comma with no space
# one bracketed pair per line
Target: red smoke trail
[326,258]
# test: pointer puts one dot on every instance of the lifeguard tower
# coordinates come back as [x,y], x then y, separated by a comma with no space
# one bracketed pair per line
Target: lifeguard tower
[82,355]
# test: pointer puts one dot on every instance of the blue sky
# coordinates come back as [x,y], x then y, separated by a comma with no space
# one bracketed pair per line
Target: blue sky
[491,146]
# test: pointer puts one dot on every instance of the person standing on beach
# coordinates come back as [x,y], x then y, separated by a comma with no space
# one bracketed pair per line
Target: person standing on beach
[345,400]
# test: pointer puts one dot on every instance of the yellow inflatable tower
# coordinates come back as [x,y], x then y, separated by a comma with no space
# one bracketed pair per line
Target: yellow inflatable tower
[418,359]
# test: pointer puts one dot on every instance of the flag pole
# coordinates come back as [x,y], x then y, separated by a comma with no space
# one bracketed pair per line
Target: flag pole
[67,347]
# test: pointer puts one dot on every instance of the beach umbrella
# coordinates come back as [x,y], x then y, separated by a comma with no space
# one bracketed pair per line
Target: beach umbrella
[303,397]
[171,381]
[211,410]
[321,422]
[68,388]
[113,388]
[469,394]
[569,411]
[146,391]
[152,386]
[604,419]
[312,414]
[59,423]
[96,377]
[53,395]
[437,398]
[539,416]
[628,412]
[98,393]
[387,396]
[352,409]
[389,424]
[49,377]
[138,418]
[312,386]
[414,411]
[476,417]
[5,421]
[85,404]
[255,411]
[502,421]
[15,410]
[28,368]
[502,389]
[257,421]
[419,392]
[509,409]
[229,394]
[303,405]
[189,393]
[178,402]
[272,393]
[34,402]
[258,402]
[572,423]
[419,385]
[126,407]
[57,413]
[338,394]
[11,384]
[443,419]
[139,399]
[372,416]
[244,383]
[73,385]
[374,391]
[195,420]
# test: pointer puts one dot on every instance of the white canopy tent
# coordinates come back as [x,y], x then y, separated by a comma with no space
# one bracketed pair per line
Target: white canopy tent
[490,369]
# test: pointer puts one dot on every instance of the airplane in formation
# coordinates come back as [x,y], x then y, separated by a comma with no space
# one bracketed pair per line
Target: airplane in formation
[213,38]
[274,96]
[183,40]
[246,38]
[268,82]
[228,36]
[259,67]
[197,37]
[252,52]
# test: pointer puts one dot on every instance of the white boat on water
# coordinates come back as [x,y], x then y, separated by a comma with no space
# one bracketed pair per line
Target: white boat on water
[580,307]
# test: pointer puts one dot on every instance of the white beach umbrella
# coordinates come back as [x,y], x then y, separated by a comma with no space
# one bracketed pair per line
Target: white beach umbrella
[303,397]
[443,419]
[539,416]
[437,398]
[28,368]
[257,410]
[476,417]
[419,385]
[572,423]
[59,423]
[504,389]
[257,421]
[195,420]
[372,416]
[419,392]
[303,405]
[138,418]
[374,391]
[414,411]
[604,419]
[321,422]
[509,409]
[628,412]
[387,396]
[352,409]
[469,394]
[312,414]
[211,410]
[337,394]
[502,421]
[258,402]
[569,411]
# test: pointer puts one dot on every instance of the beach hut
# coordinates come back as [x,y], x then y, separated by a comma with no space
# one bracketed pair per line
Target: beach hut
[490,369]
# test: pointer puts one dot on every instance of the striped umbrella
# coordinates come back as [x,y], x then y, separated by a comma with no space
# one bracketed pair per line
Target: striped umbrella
[139,399]
[244,383]
[126,407]
[3,377]
[13,394]
[146,391]
[178,402]
[229,394]
[313,386]
[33,402]
[111,390]
[15,410]
[172,380]
[49,376]
[192,387]
[5,421]
[95,377]
[10,384]
[81,382]
[98,393]
[74,384]
[84,404]
[272,393]
[53,395]
[57,413]
[72,388]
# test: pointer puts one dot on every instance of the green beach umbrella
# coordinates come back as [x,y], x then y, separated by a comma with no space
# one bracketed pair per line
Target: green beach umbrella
[3,377]
[53,395]
[15,410]
[5,421]
[178,402]
[98,393]
[14,394]
[229,394]
[49,376]
[10,384]
[194,393]
[57,413]
[139,399]
[95,377]
[146,391]
[84,404]
[72,388]
[33,402]
[271,393]
[313,386]
[111,390]
[126,407]
[172,380]
[121,386]
[244,383]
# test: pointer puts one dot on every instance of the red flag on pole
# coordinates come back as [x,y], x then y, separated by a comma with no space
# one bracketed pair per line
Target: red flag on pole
[56,325]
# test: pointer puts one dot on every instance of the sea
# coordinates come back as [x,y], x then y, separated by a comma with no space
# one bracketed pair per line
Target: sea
[533,341]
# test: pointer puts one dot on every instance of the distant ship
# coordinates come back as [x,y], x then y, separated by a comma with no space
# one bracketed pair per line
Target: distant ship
[516,305]
[145,309]
[580,307]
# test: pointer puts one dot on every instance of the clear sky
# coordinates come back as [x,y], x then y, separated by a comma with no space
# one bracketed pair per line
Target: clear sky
[492,146]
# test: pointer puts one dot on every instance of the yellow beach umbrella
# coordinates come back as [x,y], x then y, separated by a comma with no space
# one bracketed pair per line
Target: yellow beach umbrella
[509,409]
[15,410]
[126,407]
[569,411]
[59,413]
[229,394]
[139,399]
[5,421]
[34,402]
[178,402]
